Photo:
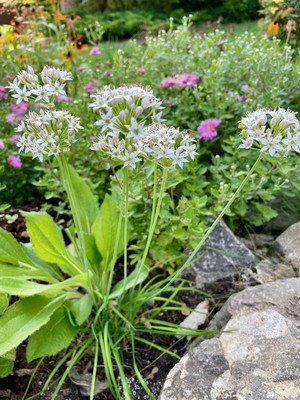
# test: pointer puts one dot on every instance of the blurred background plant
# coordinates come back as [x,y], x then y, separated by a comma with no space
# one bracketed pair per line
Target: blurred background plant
[282,19]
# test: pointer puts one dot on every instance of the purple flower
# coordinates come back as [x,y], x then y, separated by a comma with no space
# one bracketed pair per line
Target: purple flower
[19,109]
[247,88]
[3,95]
[14,161]
[95,50]
[1,144]
[107,73]
[207,129]
[187,79]
[169,82]
[140,71]
[12,118]
[61,98]
[14,139]
[89,87]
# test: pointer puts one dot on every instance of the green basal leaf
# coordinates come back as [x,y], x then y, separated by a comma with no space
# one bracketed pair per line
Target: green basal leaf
[81,309]
[86,202]
[59,333]
[23,287]
[10,250]
[6,367]
[135,278]
[50,270]
[4,301]
[48,242]
[24,318]
[9,271]
[92,251]
[105,230]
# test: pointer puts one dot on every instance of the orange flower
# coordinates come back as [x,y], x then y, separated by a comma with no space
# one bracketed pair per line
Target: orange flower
[58,16]
[273,29]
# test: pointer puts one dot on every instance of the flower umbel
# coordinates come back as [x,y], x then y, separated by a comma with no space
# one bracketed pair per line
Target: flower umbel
[47,133]
[132,129]
[276,132]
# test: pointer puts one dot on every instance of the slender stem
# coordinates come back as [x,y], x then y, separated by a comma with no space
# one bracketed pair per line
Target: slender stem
[154,193]
[155,218]
[126,193]
[212,227]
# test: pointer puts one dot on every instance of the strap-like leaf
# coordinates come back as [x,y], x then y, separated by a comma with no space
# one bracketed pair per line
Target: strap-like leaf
[25,317]
[135,278]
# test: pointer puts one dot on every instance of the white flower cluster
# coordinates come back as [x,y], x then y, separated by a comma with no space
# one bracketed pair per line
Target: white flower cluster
[47,133]
[43,88]
[276,132]
[131,129]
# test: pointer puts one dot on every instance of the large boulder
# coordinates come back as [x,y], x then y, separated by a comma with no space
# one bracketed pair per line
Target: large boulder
[287,246]
[222,259]
[257,356]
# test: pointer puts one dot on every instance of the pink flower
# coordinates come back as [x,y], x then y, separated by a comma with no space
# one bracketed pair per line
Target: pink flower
[80,69]
[89,87]
[95,50]
[19,109]
[14,139]
[12,118]
[140,71]
[14,161]
[207,129]
[107,73]
[169,82]
[3,95]
[1,144]
[187,79]
[61,98]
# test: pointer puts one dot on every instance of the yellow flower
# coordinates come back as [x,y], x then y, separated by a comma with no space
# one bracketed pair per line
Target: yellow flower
[273,29]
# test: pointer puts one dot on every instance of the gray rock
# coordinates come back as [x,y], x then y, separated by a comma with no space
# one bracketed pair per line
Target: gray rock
[269,270]
[221,258]
[257,355]
[287,245]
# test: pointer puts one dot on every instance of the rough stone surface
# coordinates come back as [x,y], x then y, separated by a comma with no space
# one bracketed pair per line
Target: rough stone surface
[257,357]
[287,245]
[197,317]
[222,257]
[269,270]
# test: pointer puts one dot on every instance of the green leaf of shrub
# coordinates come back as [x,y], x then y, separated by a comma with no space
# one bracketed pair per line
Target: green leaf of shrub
[25,317]
[48,241]
[105,230]
[59,333]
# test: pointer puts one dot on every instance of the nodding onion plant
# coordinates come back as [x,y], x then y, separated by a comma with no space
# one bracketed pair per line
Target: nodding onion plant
[66,296]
